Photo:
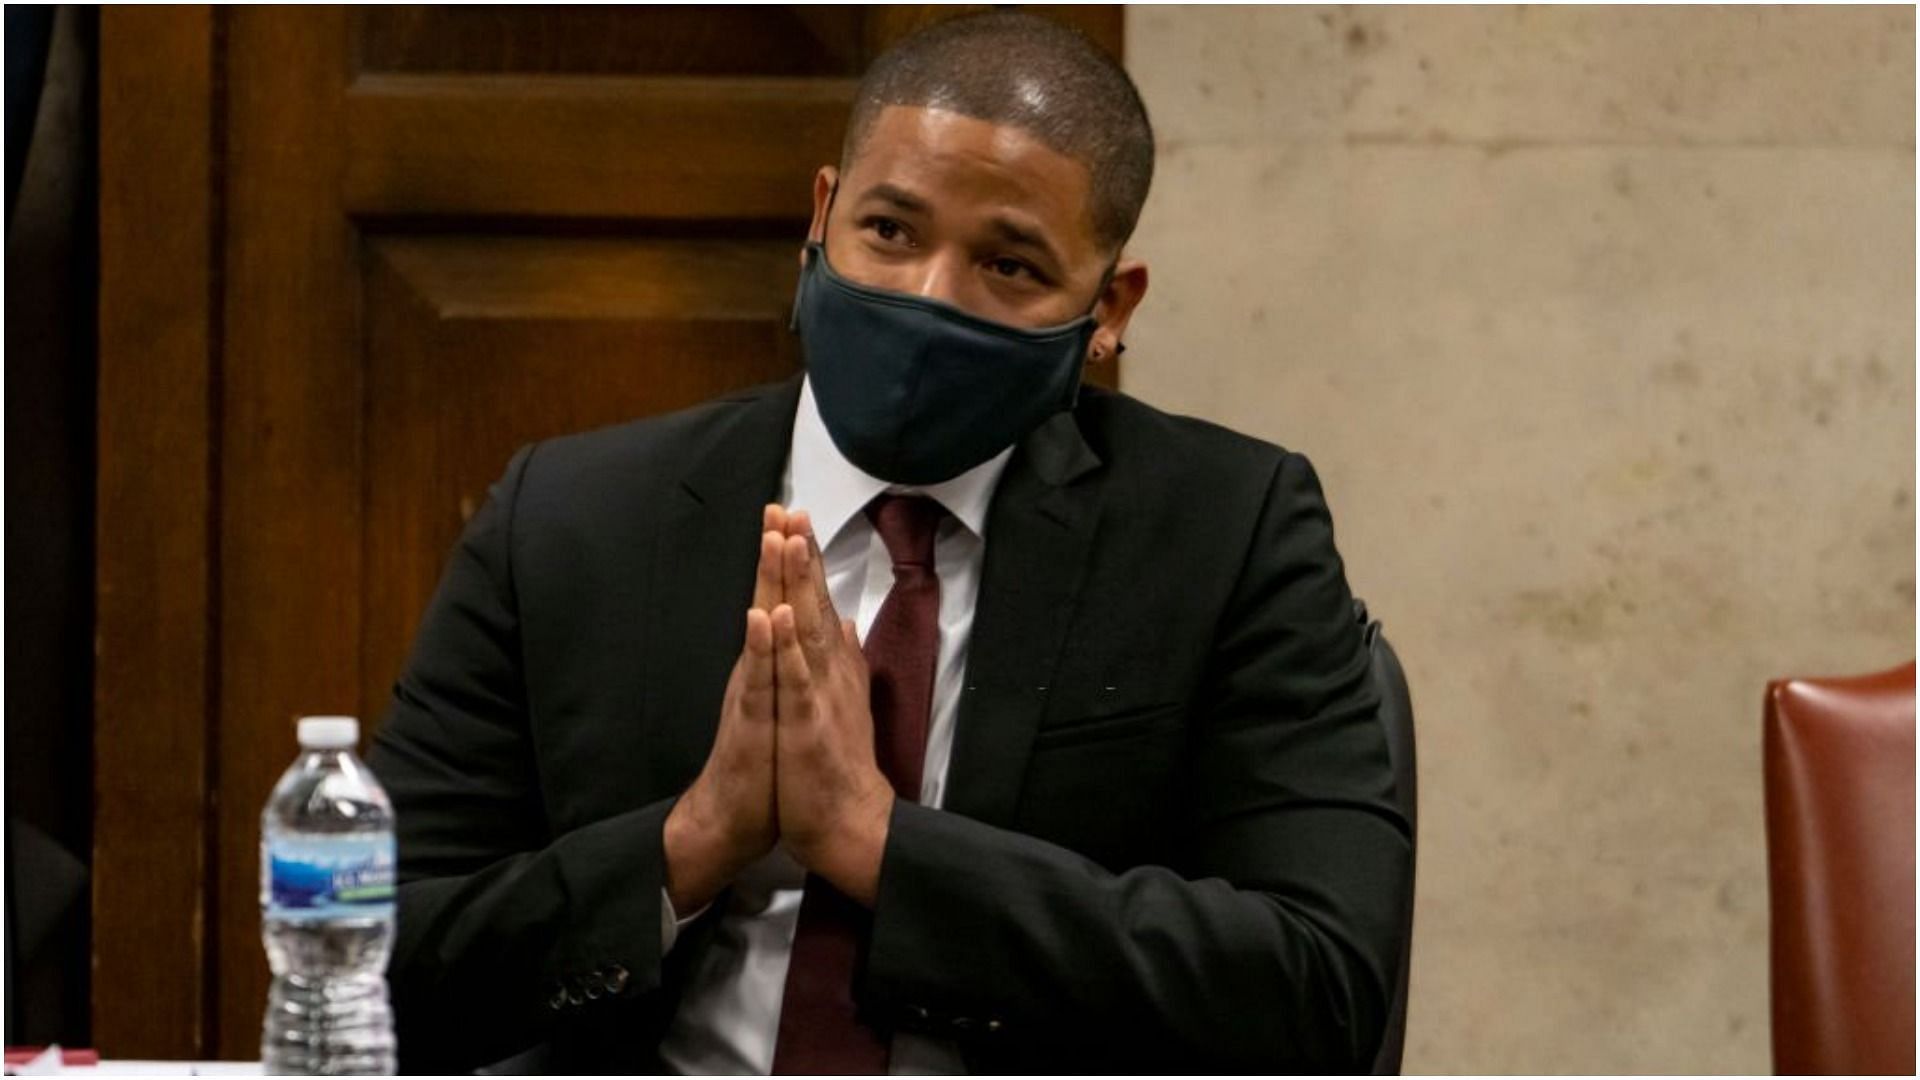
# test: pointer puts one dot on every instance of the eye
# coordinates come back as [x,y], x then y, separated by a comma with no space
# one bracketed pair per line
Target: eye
[886,229]
[1008,267]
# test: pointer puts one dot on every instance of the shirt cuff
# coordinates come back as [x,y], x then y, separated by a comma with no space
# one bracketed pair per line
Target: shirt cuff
[671,924]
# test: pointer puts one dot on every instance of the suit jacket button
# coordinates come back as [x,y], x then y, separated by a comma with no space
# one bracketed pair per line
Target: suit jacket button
[994,1025]
[574,996]
[616,978]
[559,998]
[919,1012]
[591,986]
[963,1023]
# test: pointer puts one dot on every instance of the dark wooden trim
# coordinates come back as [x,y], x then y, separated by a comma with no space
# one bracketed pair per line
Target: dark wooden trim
[290,476]
[156,517]
[560,146]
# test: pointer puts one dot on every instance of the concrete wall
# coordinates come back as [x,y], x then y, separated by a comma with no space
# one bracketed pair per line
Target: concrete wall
[1599,325]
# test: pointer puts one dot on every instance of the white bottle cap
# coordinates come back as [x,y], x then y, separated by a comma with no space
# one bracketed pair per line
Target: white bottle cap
[329,732]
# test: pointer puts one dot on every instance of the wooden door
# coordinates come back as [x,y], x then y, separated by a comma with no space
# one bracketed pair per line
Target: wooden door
[351,259]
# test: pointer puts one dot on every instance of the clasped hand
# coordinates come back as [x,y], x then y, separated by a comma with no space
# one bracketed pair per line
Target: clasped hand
[793,760]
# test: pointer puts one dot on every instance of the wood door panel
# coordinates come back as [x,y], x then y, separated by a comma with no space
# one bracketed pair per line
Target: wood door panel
[465,276]
[474,350]
[156,569]
[805,40]
[607,148]
[288,435]
[816,40]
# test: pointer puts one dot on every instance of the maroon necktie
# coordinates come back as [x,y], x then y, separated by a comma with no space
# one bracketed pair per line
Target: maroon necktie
[820,1032]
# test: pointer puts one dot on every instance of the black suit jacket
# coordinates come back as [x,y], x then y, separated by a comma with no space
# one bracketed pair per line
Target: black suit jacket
[1170,839]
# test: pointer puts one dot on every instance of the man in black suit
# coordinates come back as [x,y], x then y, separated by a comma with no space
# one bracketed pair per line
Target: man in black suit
[925,713]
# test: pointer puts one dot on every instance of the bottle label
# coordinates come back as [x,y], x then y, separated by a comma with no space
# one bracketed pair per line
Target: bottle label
[348,877]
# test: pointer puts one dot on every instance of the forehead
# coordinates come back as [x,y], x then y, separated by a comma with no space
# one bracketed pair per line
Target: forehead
[962,166]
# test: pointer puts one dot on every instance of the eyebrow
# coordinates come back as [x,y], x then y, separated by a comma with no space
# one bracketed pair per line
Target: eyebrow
[898,197]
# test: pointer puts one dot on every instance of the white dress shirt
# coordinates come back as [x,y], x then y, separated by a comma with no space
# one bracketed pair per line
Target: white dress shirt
[729,1014]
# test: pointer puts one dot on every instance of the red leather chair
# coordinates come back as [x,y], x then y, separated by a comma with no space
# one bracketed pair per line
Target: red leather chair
[1840,872]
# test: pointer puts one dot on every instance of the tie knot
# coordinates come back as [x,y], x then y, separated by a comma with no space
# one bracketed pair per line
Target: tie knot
[906,524]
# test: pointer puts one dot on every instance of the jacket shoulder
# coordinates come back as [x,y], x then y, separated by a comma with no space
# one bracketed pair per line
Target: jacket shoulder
[641,454]
[1135,437]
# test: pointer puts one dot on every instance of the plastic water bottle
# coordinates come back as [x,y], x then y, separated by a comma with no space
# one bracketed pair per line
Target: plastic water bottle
[327,910]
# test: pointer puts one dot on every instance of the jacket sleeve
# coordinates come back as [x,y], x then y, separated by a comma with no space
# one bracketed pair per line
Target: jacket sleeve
[504,927]
[1271,944]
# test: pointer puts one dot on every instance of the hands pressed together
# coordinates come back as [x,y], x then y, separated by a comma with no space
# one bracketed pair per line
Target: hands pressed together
[793,760]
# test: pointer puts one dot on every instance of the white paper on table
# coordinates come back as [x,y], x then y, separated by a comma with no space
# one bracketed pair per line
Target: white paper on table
[47,1064]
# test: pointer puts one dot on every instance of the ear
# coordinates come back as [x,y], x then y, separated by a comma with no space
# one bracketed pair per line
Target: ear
[1114,308]
[823,184]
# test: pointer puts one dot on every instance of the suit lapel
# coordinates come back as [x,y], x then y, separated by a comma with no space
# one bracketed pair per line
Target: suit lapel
[1039,529]
[703,567]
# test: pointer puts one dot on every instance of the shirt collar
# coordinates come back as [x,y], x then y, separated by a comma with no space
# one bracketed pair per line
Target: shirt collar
[832,489]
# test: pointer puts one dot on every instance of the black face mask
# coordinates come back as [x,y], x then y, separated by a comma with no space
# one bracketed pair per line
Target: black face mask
[915,391]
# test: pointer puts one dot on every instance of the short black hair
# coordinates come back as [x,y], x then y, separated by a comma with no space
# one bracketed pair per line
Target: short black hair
[1029,72]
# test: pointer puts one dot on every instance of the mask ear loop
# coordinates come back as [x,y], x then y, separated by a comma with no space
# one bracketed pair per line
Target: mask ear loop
[793,321]
[826,220]
[1106,279]
[799,292]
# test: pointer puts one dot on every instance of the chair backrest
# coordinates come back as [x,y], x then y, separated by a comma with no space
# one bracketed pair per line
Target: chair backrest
[1396,715]
[1840,864]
